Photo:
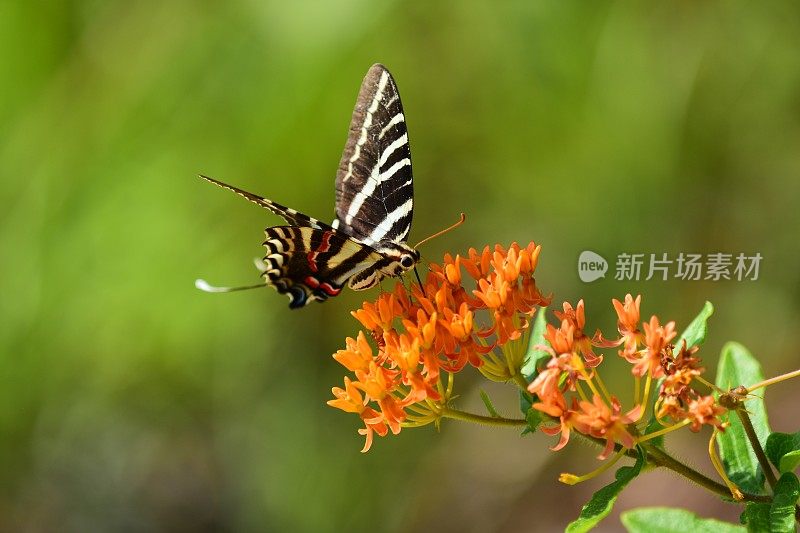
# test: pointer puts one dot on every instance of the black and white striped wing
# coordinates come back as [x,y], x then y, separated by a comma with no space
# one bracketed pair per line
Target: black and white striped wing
[310,264]
[374,184]
[292,216]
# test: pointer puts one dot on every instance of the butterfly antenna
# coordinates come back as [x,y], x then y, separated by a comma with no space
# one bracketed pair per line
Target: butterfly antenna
[454,226]
[204,286]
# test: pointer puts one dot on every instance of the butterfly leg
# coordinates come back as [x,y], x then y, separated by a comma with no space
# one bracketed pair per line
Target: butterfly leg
[419,280]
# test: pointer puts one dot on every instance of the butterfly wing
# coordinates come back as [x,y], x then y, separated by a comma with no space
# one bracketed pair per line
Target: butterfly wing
[374,184]
[290,215]
[310,264]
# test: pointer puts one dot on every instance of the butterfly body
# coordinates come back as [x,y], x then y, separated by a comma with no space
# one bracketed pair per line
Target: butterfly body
[308,259]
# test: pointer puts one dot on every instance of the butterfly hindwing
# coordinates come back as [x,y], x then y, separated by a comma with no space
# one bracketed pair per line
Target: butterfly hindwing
[374,184]
[311,264]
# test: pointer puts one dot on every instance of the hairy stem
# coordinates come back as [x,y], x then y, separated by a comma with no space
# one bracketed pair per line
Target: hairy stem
[658,457]
[481,419]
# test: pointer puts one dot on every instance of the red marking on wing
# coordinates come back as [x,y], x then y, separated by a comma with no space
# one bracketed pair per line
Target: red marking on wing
[314,283]
[329,289]
[324,246]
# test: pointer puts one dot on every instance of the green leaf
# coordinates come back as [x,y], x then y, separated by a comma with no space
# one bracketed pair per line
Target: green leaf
[487,402]
[783,450]
[534,417]
[756,516]
[738,367]
[789,462]
[526,406]
[603,500]
[695,332]
[781,513]
[533,355]
[532,358]
[668,520]
[653,425]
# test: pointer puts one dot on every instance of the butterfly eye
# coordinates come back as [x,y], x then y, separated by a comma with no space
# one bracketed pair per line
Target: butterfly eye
[407,261]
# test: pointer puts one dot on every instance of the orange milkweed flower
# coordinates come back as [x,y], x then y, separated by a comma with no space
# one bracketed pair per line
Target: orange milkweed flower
[547,387]
[357,355]
[561,375]
[459,323]
[627,326]
[670,407]
[439,327]
[597,419]
[562,340]
[565,422]
[705,410]
[680,372]
[451,269]
[576,318]
[423,328]
[349,399]
[628,315]
[651,352]
[379,316]
[657,339]
[405,351]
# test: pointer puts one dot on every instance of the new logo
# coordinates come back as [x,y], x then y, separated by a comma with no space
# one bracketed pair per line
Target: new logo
[591,266]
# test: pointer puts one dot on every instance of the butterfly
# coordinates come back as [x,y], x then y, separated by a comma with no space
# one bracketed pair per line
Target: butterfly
[309,260]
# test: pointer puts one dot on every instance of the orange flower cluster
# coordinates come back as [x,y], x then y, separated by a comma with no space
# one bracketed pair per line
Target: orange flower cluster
[572,359]
[572,369]
[678,400]
[439,327]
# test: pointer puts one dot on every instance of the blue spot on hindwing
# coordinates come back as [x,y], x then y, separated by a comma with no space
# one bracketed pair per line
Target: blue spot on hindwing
[298,297]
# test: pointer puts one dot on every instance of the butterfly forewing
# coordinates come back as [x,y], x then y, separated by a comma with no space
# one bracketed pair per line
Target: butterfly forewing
[374,185]
[290,215]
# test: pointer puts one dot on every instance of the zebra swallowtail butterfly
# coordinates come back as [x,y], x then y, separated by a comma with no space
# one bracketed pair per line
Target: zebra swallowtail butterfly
[310,260]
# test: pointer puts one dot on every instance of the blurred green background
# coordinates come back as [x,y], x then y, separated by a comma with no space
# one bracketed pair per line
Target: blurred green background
[130,401]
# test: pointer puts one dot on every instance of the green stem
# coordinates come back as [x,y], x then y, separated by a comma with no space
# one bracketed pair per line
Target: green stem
[776,379]
[480,419]
[756,445]
[521,382]
[664,431]
[658,457]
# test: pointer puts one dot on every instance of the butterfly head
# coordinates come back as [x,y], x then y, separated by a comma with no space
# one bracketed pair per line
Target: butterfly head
[401,257]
